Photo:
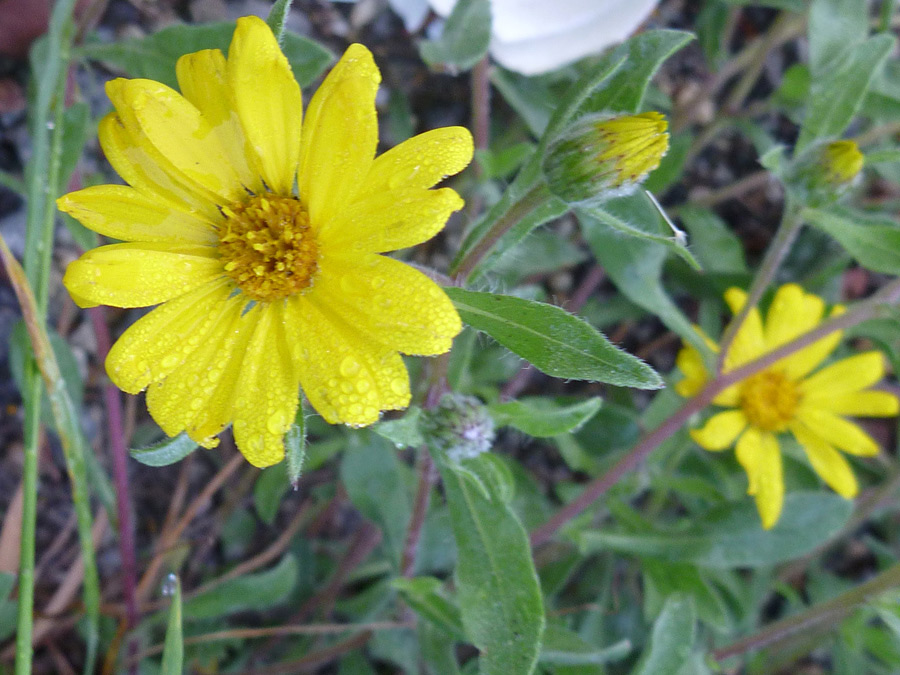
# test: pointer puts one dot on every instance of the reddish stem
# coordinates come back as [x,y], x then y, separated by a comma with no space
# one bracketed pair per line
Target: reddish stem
[120,475]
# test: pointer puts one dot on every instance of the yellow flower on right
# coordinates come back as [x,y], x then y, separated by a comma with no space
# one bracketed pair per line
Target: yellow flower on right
[793,395]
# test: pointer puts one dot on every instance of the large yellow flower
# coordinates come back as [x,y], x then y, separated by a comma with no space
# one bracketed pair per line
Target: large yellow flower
[261,239]
[786,397]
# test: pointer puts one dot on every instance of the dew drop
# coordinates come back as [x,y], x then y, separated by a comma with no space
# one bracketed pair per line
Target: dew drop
[349,366]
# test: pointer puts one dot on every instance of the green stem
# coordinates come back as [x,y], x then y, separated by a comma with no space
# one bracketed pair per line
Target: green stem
[534,198]
[781,244]
[41,181]
[827,612]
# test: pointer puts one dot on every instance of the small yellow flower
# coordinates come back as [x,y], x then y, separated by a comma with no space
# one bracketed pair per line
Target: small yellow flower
[261,239]
[601,156]
[789,397]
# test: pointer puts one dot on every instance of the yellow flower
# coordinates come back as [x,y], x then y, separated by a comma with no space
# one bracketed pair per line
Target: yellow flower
[789,397]
[261,239]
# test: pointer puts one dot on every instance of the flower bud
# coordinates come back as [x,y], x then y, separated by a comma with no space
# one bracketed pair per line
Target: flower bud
[825,172]
[600,156]
[459,426]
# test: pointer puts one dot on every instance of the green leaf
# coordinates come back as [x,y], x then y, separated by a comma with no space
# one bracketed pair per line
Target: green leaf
[499,593]
[173,649]
[268,491]
[403,432]
[662,578]
[8,606]
[277,18]
[376,483]
[466,36]
[543,417]
[438,651]
[635,266]
[563,648]
[643,54]
[167,451]
[835,27]
[249,592]
[672,640]
[873,242]
[76,130]
[554,341]
[154,56]
[717,247]
[731,535]
[648,228]
[837,94]
[425,596]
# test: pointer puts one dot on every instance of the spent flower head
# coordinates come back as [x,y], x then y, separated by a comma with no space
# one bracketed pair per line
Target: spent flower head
[264,288]
[459,426]
[795,395]
[602,156]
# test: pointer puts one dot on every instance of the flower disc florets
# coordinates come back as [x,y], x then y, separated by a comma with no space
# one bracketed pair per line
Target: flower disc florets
[600,156]
[769,400]
[268,247]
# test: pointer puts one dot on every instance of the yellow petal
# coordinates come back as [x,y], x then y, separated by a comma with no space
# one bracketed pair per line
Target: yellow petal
[346,377]
[159,342]
[856,403]
[388,302]
[121,212]
[267,100]
[791,313]
[176,137]
[690,362]
[720,430]
[131,159]
[265,403]
[847,375]
[749,341]
[797,365]
[186,392]
[217,412]
[203,79]
[391,220]
[420,162]
[141,274]
[757,451]
[339,136]
[827,462]
[839,432]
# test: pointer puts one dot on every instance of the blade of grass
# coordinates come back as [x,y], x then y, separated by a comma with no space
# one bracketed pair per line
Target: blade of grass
[73,444]
[41,173]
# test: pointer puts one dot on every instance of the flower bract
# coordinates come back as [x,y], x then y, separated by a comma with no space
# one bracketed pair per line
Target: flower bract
[797,395]
[260,236]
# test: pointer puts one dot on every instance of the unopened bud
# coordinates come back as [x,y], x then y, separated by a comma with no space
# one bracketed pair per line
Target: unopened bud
[824,172]
[460,427]
[600,156]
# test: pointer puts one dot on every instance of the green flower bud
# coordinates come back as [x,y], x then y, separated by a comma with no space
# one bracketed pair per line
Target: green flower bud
[825,172]
[460,427]
[599,156]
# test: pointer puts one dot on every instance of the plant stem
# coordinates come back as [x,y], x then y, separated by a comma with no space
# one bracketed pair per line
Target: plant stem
[41,183]
[536,196]
[827,612]
[784,238]
[120,478]
[861,311]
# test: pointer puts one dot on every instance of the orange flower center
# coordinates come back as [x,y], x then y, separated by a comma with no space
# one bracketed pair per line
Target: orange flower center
[268,247]
[769,400]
